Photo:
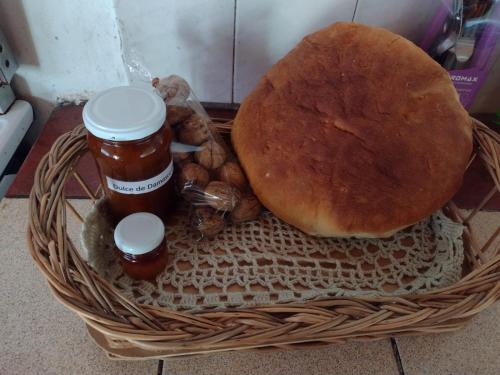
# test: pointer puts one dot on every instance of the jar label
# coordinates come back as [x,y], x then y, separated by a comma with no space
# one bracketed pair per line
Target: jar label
[144,186]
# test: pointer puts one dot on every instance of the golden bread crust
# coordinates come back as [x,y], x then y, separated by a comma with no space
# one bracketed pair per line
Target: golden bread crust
[356,131]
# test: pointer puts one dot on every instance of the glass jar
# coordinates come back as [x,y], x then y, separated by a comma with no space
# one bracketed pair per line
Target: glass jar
[140,242]
[130,141]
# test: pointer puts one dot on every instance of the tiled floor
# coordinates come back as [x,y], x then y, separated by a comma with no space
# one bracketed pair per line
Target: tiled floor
[473,350]
[351,358]
[39,336]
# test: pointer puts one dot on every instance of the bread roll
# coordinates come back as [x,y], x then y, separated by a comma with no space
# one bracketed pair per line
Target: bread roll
[356,132]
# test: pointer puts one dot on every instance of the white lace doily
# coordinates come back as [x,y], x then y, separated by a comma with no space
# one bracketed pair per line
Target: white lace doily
[267,261]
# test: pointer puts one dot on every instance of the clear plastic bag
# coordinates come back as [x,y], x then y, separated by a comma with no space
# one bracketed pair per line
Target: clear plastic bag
[207,173]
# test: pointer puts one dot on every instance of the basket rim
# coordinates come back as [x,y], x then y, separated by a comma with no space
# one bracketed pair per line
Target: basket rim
[162,332]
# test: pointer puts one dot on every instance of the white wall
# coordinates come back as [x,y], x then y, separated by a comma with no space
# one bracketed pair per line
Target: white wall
[68,49]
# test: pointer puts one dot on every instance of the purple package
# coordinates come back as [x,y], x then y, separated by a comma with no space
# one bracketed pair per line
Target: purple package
[462,37]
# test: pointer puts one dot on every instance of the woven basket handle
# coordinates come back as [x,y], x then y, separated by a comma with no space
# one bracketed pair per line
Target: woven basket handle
[489,149]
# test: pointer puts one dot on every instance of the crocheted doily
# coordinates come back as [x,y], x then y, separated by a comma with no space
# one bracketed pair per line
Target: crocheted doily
[267,262]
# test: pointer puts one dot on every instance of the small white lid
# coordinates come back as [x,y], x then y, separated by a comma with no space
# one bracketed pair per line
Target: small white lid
[124,113]
[139,233]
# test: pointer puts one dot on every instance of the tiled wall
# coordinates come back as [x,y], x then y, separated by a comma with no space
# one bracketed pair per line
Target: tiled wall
[267,30]
[223,46]
[191,38]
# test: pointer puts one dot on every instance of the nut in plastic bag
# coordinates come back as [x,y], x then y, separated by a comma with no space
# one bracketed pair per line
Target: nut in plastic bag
[208,174]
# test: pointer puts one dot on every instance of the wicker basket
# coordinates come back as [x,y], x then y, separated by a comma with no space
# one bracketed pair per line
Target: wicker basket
[130,331]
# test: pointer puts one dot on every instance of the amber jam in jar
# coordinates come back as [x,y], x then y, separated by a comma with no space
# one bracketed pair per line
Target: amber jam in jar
[141,246]
[130,141]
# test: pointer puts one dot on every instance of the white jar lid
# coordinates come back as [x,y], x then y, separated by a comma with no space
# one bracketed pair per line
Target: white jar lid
[139,233]
[124,113]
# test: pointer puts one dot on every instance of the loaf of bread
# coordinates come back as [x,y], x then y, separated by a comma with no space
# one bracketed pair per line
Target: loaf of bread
[355,132]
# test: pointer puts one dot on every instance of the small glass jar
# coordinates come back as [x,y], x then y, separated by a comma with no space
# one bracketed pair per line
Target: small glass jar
[140,243]
[130,140]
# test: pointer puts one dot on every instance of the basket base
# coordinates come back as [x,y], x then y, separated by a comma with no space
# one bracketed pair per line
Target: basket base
[267,262]
[122,350]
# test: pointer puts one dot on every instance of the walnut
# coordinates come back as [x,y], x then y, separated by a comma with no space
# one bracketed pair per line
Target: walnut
[172,87]
[221,196]
[207,221]
[177,113]
[194,130]
[248,208]
[212,156]
[232,174]
[181,157]
[192,175]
